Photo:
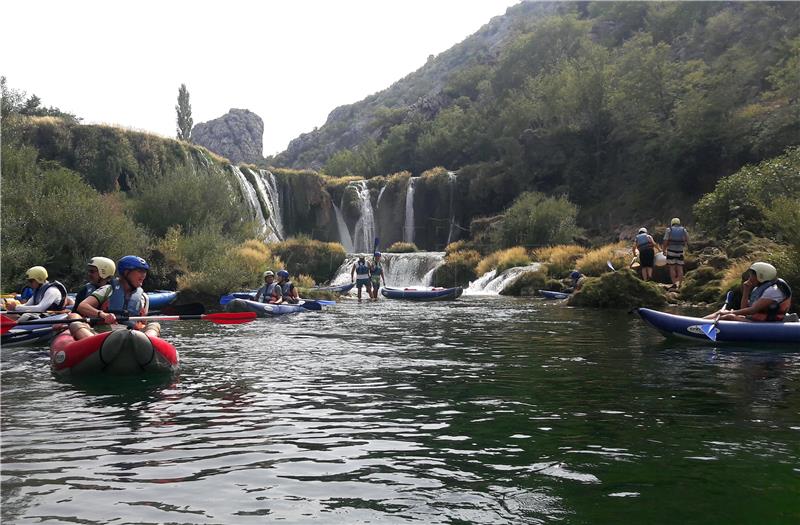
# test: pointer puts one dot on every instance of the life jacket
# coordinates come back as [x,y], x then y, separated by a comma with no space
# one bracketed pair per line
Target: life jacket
[644,241]
[265,292]
[776,311]
[85,291]
[39,294]
[117,305]
[287,288]
[362,271]
[677,239]
[376,269]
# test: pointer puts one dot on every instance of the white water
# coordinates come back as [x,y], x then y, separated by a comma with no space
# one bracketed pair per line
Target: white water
[408,228]
[492,284]
[400,269]
[251,197]
[344,233]
[364,234]
[378,202]
[268,187]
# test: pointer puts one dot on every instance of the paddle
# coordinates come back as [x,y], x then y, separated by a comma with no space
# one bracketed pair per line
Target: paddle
[711,329]
[375,247]
[608,263]
[225,299]
[6,323]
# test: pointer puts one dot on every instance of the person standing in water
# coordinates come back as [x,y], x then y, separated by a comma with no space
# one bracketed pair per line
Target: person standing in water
[360,272]
[375,275]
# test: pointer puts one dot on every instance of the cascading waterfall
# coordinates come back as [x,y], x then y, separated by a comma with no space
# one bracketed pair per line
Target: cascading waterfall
[364,233]
[400,269]
[492,284]
[408,228]
[267,191]
[344,233]
[378,202]
[252,198]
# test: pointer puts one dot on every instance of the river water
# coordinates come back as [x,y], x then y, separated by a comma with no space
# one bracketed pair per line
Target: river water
[481,410]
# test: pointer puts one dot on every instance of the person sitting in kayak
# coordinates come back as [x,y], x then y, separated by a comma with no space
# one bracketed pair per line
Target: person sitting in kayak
[47,296]
[575,282]
[375,275]
[361,272]
[99,272]
[764,297]
[267,293]
[288,289]
[122,296]
[646,246]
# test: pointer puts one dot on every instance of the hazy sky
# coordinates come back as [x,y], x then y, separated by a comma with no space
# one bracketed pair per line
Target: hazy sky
[291,62]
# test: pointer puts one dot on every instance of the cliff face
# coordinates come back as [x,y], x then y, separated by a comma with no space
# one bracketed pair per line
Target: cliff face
[238,135]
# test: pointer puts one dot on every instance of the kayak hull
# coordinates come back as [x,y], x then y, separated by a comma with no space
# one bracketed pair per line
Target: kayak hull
[262,309]
[423,294]
[727,331]
[29,335]
[121,352]
[160,298]
[549,294]
[342,288]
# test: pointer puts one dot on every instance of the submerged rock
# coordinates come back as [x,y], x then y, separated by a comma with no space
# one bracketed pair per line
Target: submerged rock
[620,289]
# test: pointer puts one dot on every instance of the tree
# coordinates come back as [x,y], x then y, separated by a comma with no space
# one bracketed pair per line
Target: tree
[184,111]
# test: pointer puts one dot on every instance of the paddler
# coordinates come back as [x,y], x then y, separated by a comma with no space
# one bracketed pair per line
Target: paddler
[360,271]
[46,296]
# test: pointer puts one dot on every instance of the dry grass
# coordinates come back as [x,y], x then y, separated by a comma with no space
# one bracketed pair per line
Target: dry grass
[560,259]
[594,262]
[503,260]
[454,247]
[732,277]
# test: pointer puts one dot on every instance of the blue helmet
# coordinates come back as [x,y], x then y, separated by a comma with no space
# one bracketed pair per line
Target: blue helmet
[283,274]
[376,254]
[575,274]
[131,262]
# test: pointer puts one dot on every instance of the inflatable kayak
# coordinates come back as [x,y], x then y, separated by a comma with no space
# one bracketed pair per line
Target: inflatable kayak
[550,294]
[30,334]
[423,294]
[121,352]
[160,298]
[341,288]
[263,309]
[727,331]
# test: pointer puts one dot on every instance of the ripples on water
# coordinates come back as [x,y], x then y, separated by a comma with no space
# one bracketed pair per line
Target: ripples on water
[483,410]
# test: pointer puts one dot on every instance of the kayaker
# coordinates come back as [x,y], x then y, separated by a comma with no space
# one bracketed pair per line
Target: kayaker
[646,247]
[46,296]
[288,289]
[361,272]
[266,294]
[676,241]
[122,296]
[99,272]
[375,275]
[575,280]
[764,297]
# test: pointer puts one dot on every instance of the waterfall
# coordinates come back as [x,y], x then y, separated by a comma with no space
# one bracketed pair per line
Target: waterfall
[344,233]
[364,234]
[453,226]
[267,188]
[400,269]
[492,284]
[251,197]
[378,202]
[408,229]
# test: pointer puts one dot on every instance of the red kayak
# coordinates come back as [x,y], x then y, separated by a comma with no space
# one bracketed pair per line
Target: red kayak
[121,352]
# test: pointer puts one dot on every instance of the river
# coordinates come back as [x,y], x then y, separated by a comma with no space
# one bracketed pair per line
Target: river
[482,410]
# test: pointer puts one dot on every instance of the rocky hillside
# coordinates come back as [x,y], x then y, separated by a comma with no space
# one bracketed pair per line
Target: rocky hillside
[238,136]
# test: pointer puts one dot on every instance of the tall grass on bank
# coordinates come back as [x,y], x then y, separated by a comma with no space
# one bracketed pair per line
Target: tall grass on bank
[595,262]
[318,259]
[502,260]
[402,247]
[560,259]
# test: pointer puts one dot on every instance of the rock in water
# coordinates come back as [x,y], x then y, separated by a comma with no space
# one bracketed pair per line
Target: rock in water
[238,136]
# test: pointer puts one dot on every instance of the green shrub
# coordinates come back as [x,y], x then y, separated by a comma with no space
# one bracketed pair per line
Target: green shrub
[402,247]
[318,259]
[537,220]
[458,269]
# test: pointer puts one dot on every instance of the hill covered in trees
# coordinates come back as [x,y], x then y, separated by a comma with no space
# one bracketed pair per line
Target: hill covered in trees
[629,109]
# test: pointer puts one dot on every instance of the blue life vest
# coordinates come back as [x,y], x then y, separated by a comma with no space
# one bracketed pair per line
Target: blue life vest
[677,239]
[85,291]
[118,305]
[362,271]
[264,293]
[643,241]
[39,294]
[287,288]
[776,310]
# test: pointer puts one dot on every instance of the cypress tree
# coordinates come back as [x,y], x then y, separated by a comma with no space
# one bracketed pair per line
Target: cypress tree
[184,110]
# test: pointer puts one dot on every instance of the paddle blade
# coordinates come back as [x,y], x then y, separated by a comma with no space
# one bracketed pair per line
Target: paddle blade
[608,263]
[310,305]
[375,248]
[6,323]
[230,317]
[710,330]
[225,299]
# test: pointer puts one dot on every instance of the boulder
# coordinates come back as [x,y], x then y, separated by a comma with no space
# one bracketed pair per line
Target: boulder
[238,136]
[621,289]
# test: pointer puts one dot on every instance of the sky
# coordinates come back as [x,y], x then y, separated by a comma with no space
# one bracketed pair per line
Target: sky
[291,62]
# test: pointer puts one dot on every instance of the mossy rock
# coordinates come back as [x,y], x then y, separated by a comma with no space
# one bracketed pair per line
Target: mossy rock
[454,272]
[622,289]
[702,285]
[525,285]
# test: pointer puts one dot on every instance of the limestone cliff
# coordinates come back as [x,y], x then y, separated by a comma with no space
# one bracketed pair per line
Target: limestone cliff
[238,135]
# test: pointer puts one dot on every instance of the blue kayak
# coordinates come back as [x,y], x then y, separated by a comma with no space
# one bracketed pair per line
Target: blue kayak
[423,294]
[160,298]
[263,309]
[727,331]
[549,294]
[30,334]
[341,288]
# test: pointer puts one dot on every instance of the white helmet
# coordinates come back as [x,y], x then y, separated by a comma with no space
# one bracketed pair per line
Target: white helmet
[764,271]
[105,266]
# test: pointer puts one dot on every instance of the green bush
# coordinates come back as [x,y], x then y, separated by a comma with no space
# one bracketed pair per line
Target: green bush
[537,220]
[318,259]
[458,269]
[402,247]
